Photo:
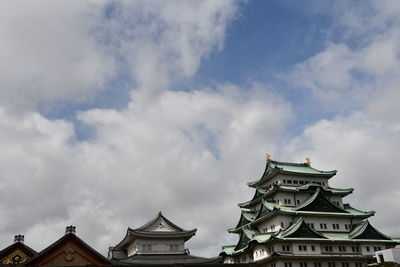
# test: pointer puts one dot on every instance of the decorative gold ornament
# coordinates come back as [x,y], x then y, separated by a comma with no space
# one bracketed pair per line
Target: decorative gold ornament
[16,257]
[268,157]
[308,161]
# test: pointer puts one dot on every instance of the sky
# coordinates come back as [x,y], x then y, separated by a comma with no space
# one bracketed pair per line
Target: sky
[111,111]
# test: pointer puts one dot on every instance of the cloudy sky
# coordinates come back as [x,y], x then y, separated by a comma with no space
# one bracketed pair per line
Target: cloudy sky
[111,111]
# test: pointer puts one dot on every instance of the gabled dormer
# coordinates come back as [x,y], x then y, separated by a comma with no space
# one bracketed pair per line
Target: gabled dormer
[299,229]
[318,202]
[365,230]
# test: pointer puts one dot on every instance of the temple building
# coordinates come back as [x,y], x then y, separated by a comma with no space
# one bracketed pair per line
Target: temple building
[295,219]
[157,242]
[16,253]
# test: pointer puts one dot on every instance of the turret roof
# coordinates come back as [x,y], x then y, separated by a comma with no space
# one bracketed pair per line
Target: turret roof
[159,227]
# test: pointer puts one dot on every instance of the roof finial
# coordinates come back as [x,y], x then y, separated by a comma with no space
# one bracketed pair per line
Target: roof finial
[19,238]
[268,157]
[308,161]
[70,229]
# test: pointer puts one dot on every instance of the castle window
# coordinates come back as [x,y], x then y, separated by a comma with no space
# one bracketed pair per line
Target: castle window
[289,181]
[323,226]
[342,248]
[313,248]
[303,264]
[288,264]
[336,226]
[302,248]
[317,264]
[367,248]
[345,264]
[295,182]
[328,248]
[331,264]
[281,224]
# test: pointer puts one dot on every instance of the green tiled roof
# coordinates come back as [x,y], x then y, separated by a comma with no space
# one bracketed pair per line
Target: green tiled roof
[299,229]
[274,167]
[228,250]
[318,202]
[273,209]
[257,197]
[297,168]
[292,233]
[245,218]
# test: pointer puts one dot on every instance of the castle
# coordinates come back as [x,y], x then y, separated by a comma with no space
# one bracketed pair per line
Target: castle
[295,219]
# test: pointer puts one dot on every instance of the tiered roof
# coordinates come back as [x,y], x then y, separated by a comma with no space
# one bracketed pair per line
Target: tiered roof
[317,205]
[263,193]
[300,231]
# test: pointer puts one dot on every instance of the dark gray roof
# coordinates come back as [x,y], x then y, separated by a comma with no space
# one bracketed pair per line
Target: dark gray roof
[166,259]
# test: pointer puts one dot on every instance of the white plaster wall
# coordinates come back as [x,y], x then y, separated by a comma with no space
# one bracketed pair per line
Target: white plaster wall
[317,220]
[131,250]
[281,196]
[371,248]
[160,246]
[259,255]
[303,197]
[276,220]
[295,248]
[392,255]
[337,199]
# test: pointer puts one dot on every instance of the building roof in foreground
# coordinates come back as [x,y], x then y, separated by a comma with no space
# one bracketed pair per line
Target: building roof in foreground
[16,253]
[299,169]
[167,259]
[68,250]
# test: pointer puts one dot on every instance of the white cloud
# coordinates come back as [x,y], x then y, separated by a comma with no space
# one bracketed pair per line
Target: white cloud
[48,53]
[361,68]
[185,154]
[164,41]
